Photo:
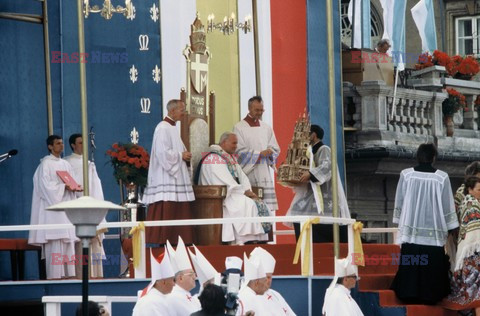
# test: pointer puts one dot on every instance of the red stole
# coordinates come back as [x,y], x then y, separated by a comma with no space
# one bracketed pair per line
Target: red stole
[169,121]
[251,121]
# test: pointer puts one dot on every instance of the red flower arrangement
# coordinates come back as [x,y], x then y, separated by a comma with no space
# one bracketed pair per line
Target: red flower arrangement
[456,66]
[130,163]
[426,60]
[453,103]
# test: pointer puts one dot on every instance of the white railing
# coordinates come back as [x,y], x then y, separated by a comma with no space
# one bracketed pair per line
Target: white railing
[53,303]
[140,271]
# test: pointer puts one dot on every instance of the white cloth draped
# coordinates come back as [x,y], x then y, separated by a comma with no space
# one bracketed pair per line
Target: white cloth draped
[168,174]
[97,253]
[214,171]
[251,141]
[424,208]
[338,302]
[154,303]
[182,302]
[276,304]
[48,189]
[304,202]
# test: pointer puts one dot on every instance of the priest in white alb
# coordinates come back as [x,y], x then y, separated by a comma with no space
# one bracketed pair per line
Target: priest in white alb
[258,150]
[182,302]
[274,301]
[48,189]
[153,299]
[338,301]
[169,189]
[95,187]
[220,167]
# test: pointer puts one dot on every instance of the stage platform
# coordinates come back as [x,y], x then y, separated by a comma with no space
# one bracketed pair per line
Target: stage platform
[304,294]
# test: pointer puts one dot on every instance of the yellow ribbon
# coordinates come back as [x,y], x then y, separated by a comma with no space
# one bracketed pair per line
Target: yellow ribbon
[359,258]
[307,227]
[137,242]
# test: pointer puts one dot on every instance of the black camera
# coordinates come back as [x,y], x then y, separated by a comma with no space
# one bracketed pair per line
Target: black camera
[231,281]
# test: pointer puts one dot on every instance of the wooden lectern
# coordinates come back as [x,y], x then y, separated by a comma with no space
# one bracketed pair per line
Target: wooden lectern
[366,65]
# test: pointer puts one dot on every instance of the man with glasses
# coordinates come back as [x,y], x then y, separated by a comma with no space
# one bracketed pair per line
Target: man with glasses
[338,301]
[258,150]
[181,301]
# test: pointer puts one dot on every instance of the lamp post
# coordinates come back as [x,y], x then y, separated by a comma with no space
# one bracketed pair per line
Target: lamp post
[85,213]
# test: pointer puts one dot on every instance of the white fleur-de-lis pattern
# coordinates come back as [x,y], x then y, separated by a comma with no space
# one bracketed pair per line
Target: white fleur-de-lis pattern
[144,73]
[154,13]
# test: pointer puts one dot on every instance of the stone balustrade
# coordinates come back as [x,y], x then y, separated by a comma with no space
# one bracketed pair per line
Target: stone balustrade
[413,117]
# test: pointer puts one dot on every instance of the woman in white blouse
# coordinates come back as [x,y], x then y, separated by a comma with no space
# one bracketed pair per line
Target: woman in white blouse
[425,213]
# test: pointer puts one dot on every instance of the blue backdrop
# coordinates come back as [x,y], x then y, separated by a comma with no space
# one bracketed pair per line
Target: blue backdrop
[114,97]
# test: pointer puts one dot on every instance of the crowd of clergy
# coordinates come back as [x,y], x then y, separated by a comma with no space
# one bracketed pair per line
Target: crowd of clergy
[173,277]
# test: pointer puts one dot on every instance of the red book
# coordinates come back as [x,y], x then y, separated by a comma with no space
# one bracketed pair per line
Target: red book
[68,180]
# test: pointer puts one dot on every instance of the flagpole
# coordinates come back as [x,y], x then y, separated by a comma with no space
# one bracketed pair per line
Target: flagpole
[353,24]
[333,120]
[394,93]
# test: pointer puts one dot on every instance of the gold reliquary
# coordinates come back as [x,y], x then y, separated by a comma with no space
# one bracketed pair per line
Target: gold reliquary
[297,161]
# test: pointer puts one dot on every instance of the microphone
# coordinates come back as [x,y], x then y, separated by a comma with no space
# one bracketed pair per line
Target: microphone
[11,153]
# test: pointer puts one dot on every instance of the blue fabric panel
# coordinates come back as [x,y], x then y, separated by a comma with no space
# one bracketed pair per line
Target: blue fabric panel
[430,29]
[113,100]
[23,113]
[317,73]
[366,25]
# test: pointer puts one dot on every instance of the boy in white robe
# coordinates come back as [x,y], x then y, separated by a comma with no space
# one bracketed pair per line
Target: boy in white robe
[95,187]
[274,301]
[169,190]
[58,248]
[153,299]
[258,150]
[221,168]
[338,301]
[182,302]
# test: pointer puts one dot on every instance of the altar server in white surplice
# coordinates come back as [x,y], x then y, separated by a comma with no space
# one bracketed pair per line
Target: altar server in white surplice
[182,302]
[274,301]
[169,190]
[338,301]
[258,150]
[48,189]
[95,187]
[250,296]
[221,168]
[153,299]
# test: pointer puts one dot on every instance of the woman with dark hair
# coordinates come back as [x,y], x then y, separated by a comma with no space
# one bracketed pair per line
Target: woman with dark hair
[425,213]
[466,276]
[212,300]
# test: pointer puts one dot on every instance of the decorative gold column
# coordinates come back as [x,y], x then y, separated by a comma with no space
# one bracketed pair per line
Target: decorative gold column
[333,119]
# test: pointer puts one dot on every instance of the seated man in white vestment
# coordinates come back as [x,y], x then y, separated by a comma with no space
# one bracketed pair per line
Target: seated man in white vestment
[153,299]
[182,302]
[58,248]
[275,302]
[250,296]
[219,167]
[338,301]
[95,187]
